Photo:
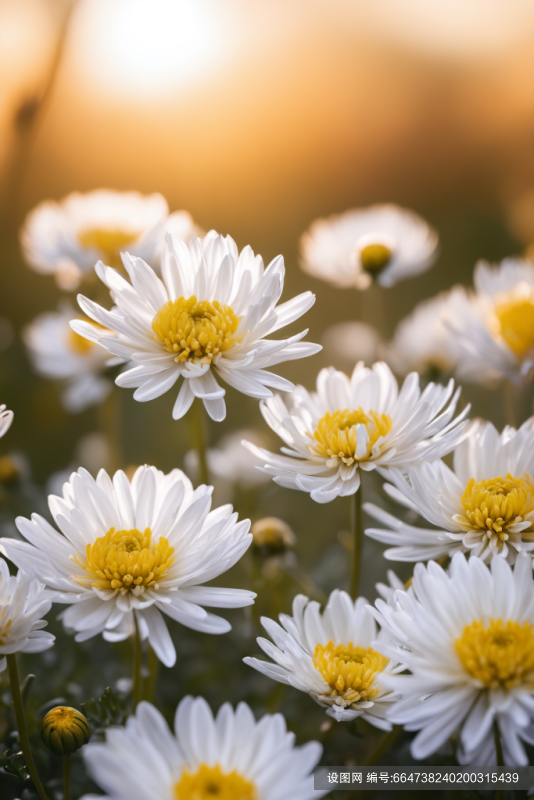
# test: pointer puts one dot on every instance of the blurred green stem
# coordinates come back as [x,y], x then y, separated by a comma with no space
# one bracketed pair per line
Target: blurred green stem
[510,403]
[198,431]
[498,744]
[66,778]
[500,758]
[137,666]
[21,723]
[384,746]
[356,529]
[150,684]
[109,418]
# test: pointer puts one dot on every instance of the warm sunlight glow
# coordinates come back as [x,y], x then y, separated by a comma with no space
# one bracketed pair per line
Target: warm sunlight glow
[147,46]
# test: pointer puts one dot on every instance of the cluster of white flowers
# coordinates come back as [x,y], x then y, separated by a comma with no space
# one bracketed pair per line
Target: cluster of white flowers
[452,655]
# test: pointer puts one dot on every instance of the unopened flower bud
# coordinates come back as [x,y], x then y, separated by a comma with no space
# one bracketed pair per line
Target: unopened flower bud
[272,535]
[65,730]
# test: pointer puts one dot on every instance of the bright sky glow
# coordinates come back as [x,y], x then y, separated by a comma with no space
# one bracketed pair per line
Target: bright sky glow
[146,47]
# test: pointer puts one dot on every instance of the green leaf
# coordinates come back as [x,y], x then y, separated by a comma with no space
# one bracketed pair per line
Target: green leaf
[108,709]
[14,764]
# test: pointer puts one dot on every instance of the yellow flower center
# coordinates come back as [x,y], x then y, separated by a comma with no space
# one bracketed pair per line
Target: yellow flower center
[195,330]
[211,783]
[494,504]
[349,671]
[499,655]
[336,438]
[109,243]
[375,257]
[125,561]
[515,319]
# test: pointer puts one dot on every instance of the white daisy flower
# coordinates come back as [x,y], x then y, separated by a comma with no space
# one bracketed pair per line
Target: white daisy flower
[330,656]
[230,461]
[210,313]
[66,239]
[483,506]
[384,242]
[357,423]
[494,326]
[422,342]
[23,604]
[6,418]
[468,639]
[59,353]
[140,548]
[230,756]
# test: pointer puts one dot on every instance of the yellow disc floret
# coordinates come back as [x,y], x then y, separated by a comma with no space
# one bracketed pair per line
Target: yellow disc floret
[336,435]
[109,243]
[375,258]
[500,654]
[493,505]
[125,561]
[195,330]
[349,671]
[514,313]
[211,783]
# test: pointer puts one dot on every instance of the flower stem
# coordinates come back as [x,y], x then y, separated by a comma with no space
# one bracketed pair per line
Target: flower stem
[510,403]
[498,744]
[21,723]
[384,745]
[199,439]
[356,529]
[137,667]
[66,778]
[110,426]
[499,795]
[150,684]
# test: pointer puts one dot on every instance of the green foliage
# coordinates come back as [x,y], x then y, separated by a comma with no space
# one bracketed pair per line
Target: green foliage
[109,709]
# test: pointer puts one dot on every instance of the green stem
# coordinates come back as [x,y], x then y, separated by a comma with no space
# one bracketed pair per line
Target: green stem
[110,427]
[499,795]
[153,667]
[356,529]
[384,745]
[66,778]
[137,667]
[510,403]
[21,723]
[199,439]
[498,744]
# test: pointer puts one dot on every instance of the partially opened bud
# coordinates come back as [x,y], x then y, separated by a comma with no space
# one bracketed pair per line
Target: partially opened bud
[272,535]
[65,730]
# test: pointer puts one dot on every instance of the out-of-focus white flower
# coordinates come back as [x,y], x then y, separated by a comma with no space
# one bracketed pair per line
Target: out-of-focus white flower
[331,657]
[494,326]
[66,239]
[484,505]
[143,547]
[350,342]
[422,342]
[468,639]
[210,313]
[59,353]
[230,461]
[23,603]
[383,242]
[231,756]
[6,418]
[362,422]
